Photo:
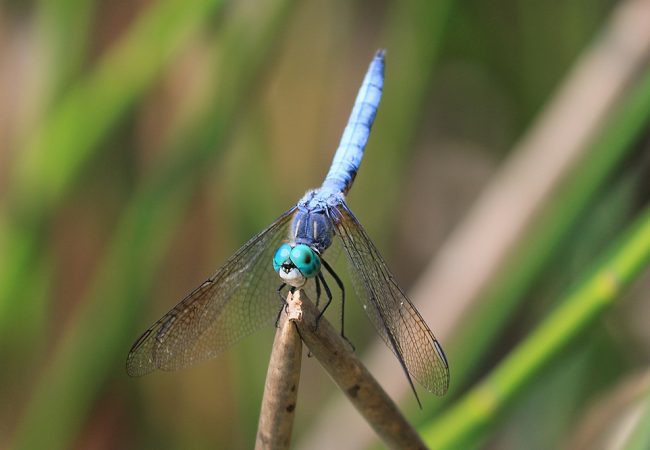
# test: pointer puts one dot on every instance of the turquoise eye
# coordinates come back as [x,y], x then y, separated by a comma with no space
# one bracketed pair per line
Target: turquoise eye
[281,256]
[306,260]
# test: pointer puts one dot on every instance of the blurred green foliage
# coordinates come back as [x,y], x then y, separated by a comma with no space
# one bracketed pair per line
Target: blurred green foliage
[463,424]
[143,142]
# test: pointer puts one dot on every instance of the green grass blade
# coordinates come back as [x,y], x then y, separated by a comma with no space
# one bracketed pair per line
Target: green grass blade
[94,347]
[57,150]
[477,411]
[64,27]
[639,438]
[52,158]
[608,150]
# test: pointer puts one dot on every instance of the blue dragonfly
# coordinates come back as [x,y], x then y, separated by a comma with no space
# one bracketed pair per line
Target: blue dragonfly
[242,295]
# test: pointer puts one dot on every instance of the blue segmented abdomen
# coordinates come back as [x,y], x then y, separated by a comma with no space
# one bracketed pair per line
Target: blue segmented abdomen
[348,156]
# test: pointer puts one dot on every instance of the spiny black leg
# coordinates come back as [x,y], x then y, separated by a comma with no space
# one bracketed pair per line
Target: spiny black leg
[292,289]
[284,303]
[317,291]
[282,297]
[342,287]
[329,297]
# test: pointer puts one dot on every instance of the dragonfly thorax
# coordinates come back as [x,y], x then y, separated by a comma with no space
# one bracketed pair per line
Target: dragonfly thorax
[312,227]
[296,263]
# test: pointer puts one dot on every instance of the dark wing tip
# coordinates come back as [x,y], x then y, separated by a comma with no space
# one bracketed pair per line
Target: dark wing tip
[442,388]
[135,366]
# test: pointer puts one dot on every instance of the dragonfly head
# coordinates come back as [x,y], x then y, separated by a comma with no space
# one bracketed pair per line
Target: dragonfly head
[296,263]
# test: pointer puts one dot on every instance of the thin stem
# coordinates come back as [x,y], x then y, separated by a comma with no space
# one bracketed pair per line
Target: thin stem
[473,414]
[639,437]
[282,378]
[355,381]
[64,27]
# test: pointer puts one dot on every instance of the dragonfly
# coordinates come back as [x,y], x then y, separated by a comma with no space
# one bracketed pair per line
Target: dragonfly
[246,293]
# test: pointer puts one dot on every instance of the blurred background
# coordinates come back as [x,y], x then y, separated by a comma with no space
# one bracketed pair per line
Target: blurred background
[142,142]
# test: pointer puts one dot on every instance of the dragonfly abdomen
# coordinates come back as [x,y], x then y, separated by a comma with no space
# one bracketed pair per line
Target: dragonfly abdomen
[355,137]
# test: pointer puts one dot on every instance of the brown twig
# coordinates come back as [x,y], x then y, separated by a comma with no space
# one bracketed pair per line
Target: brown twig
[365,393]
[281,388]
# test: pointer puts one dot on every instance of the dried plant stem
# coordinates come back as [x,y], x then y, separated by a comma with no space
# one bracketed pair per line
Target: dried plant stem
[365,393]
[281,388]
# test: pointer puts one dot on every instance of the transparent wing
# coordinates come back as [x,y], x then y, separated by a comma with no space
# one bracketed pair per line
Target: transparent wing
[397,321]
[234,302]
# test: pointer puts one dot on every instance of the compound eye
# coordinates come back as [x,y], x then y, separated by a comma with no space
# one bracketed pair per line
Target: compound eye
[281,256]
[306,260]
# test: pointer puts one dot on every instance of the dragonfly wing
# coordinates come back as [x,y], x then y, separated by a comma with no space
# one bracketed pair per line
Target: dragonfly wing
[397,321]
[235,301]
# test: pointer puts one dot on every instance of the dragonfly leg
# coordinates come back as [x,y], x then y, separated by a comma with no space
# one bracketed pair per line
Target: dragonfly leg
[284,303]
[329,297]
[280,294]
[317,291]
[342,287]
